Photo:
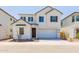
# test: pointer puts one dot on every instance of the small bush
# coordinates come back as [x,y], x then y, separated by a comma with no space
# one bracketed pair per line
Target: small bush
[77,35]
[70,39]
[67,35]
[62,35]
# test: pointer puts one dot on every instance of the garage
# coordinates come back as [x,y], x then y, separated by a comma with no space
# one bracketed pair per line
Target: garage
[48,34]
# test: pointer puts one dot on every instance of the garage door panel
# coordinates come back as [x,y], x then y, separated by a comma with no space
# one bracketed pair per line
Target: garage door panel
[47,34]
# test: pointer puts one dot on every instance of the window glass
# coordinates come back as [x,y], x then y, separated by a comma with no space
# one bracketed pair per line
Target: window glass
[77,18]
[21,31]
[53,18]
[41,18]
[30,19]
[73,18]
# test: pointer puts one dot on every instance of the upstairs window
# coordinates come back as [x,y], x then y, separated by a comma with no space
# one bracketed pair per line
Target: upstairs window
[73,18]
[41,18]
[13,20]
[61,23]
[0,24]
[10,19]
[23,18]
[30,19]
[77,18]
[53,18]
[10,30]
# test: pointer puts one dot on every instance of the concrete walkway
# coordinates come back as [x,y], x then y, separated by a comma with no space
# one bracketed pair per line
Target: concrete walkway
[42,46]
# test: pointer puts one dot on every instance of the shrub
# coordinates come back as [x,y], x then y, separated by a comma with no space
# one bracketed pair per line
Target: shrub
[77,35]
[62,35]
[67,35]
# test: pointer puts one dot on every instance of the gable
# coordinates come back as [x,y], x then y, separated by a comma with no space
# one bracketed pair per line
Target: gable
[2,12]
[54,12]
[44,10]
[67,21]
[20,23]
[72,14]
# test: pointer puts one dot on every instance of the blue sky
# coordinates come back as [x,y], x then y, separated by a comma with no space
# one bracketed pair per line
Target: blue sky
[15,10]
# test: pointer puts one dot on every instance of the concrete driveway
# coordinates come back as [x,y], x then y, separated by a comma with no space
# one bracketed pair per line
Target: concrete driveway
[42,46]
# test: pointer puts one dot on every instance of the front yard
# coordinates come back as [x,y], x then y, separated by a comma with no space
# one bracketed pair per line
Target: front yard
[40,46]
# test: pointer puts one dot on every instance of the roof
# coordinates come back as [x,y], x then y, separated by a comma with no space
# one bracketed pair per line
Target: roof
[8,14]
[19,20]
[54,9]
[48,11]
[58,10]
[43,9]
[26,22]
[70,15]
[33,24]
[25,14]
[37,11]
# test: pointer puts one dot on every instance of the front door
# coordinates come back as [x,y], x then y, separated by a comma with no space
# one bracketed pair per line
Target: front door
[33,32]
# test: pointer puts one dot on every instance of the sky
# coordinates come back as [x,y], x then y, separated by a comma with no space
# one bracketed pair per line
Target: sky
[15,10]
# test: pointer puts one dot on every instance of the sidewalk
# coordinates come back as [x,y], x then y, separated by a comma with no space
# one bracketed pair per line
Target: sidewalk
[43,46]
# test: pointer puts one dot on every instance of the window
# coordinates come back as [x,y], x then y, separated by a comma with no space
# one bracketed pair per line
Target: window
[53,18]
[73,18]
[23,18]
[77,18]
[11,19]
[61,23]
[21,31]
[0,24]
[10,30]
[41,18]
[30,19]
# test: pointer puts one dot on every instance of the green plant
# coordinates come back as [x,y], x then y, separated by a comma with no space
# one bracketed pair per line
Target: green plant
[77,35]
[70,39]
[62,35]
[67,35]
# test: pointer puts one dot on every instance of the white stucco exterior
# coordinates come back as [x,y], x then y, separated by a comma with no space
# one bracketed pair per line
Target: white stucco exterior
[27,31]
[46,29]
[70,27]
[5,22]
[33,29]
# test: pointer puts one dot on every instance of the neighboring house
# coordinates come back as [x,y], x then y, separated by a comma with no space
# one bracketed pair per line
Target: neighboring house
[70,25]
[5,24]
[44,24]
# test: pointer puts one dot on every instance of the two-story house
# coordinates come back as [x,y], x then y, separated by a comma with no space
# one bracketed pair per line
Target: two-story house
[70,25]
[5,24]
[44,24]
